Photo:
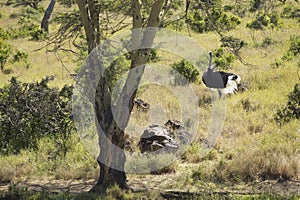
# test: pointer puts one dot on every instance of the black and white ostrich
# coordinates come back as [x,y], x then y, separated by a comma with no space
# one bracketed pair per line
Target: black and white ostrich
[224,82]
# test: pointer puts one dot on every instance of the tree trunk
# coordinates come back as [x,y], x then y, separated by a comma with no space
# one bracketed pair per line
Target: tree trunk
[111,125]
[45,20]
[89,13]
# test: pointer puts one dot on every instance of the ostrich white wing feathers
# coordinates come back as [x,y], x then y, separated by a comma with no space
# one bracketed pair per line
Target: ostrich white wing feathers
[232,85]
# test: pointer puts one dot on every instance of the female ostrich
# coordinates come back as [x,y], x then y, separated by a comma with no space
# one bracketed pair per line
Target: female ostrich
[224,82]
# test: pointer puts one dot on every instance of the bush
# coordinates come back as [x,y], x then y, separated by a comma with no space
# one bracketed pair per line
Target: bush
[4,35]
[267,41]
[33,4]
[292,109]
[294,48]
[21,56]
[256,5]
[5,50]
[289,12]
[187,72]
[235,44]
[29,25]
[30,111]
[223,59]
[264,20]
[295,45]
[216,18]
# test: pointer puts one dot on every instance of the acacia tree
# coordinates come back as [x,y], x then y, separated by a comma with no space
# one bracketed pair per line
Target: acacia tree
[111,135]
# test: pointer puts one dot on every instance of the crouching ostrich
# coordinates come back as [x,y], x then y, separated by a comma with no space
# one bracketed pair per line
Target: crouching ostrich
[224,82]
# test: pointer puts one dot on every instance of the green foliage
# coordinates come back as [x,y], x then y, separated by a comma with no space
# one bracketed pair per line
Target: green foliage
[28,26]
[67,3]
[267,41]
[223,59]
[292,109]
[264,20]
[28,30]
[4,35]
[294,49]
[5,50]
[290,12]
[38,34]
[185,72]
[153,56]
[114,72]
[30,111]
[294,45]
[21,56]
[256,5]
[31,3]
[29,14]
[234,44]
[215,18]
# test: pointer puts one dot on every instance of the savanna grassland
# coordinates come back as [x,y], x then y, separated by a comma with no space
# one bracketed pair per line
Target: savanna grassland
[257,155]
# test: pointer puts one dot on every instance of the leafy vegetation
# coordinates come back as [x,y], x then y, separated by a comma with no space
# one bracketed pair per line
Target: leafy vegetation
[185,72]
[292,108]
[223,59]
[214,17]
[5,50]
[31,111]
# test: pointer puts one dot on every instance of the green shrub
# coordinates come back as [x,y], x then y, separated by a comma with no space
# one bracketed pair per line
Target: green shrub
[21,56]
[292,109]
[295,45]
[116,69]
[29,25]
[184,73]
[67,3]
[5,50]
[30,111]
[38,34]
[267,41]
[293,50]
[4,35]
[215,18]
[33,4]
[256,5]
[289,12]
[264,20]
[235,44]
[223,59]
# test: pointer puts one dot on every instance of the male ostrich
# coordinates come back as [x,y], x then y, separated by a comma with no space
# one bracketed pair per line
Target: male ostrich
[224,82]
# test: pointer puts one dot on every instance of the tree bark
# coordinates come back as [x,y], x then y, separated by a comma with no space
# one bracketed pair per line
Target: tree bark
[89,13]
[45,20]
[113,122]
